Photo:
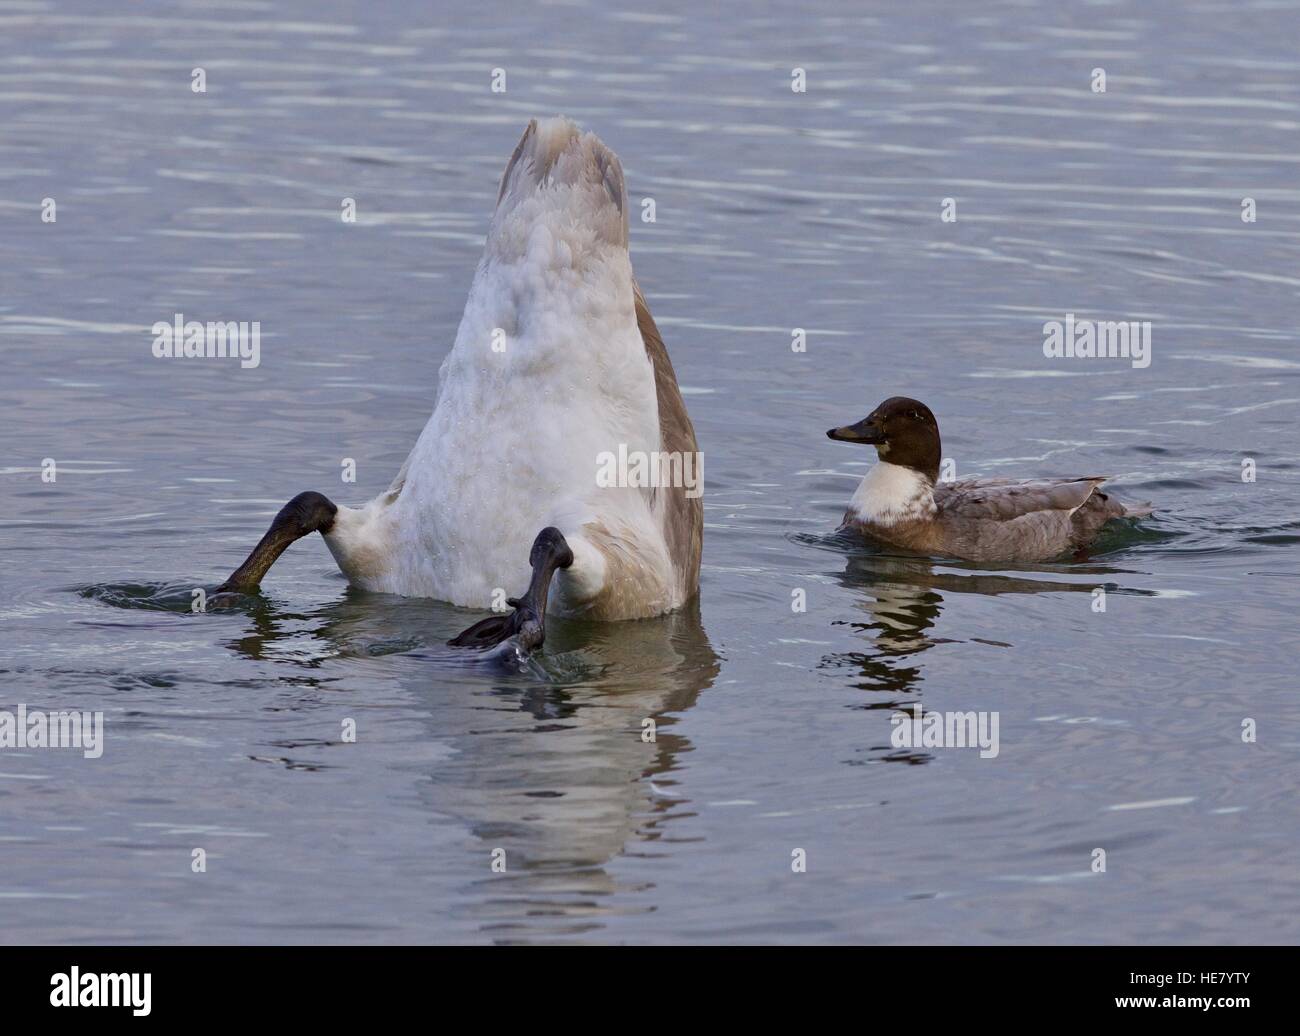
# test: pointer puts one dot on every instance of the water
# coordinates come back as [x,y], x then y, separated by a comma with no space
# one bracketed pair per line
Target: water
[774,210]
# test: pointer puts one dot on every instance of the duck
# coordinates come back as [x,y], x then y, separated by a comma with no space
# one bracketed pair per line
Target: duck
[557,365]
[901,502]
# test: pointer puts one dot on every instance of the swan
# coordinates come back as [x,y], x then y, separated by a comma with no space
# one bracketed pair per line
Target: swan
[557,363]
[901,502]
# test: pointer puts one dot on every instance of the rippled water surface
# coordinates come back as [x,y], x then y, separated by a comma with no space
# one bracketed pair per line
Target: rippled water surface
[775,210]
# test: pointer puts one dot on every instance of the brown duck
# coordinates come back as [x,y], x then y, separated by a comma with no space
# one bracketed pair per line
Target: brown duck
[902,503]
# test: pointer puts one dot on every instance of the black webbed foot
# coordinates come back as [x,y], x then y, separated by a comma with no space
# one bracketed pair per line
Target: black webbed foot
[524,622]
[527,623]
[305,513]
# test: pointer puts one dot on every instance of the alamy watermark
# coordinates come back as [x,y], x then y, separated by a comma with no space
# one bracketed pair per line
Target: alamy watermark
[23,729]
[217,339]
[638,469]
[71,988]
[936,729]
[1102,339]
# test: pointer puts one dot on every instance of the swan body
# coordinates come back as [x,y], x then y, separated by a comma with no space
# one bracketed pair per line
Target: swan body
[556,360]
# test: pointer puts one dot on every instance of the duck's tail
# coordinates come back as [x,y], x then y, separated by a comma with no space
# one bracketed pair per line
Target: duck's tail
[559,169]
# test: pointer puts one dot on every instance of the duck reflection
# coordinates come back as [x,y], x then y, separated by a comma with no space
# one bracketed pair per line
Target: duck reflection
[904,598]
[563,761]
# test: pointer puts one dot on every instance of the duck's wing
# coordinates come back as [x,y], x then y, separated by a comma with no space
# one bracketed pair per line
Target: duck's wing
[1001,499]
[1003,519]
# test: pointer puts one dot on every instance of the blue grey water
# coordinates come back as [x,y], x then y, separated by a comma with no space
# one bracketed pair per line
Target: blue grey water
[1120,730]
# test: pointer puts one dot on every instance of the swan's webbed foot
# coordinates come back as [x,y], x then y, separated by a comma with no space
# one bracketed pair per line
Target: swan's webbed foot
[527,623]
[523,622]
[304,514]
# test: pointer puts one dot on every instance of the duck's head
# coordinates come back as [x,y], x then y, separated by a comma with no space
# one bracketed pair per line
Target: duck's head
[903,431]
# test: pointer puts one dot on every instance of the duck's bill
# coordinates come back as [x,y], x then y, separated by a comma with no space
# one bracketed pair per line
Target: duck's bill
[862,432]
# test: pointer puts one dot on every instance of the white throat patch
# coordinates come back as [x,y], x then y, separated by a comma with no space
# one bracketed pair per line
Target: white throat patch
[891,493]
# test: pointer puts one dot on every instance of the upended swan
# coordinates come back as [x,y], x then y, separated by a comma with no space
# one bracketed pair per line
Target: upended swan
[902,503]
[557,364]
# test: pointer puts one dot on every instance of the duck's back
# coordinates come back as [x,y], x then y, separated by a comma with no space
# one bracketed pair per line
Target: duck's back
[1020,519]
